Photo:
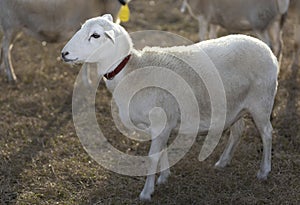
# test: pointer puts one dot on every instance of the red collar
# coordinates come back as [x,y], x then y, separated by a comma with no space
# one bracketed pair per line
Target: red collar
[112,74]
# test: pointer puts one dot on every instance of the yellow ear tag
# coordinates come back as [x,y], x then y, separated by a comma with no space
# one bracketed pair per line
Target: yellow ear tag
[124,13]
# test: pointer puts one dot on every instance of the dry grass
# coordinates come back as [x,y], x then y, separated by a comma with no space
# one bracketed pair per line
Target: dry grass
[43,162]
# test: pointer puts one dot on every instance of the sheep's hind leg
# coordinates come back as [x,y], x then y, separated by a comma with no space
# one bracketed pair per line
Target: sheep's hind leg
[157,144]
[164,165]
[236,131]
[265,129]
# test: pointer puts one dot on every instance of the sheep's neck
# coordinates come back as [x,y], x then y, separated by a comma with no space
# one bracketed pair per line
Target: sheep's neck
[111,84]
[112,74]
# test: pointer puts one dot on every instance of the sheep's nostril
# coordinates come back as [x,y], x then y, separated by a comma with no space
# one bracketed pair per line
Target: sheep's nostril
[64,54]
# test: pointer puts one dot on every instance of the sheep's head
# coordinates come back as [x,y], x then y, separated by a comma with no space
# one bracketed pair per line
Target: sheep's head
[98,40]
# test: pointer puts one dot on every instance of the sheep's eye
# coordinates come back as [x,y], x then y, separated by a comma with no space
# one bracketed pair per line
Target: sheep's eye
[95,35]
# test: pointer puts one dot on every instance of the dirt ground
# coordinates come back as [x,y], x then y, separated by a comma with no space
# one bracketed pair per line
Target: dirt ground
[43,162]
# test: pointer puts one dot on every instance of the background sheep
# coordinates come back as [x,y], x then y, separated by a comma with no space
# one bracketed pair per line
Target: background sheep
[50,21]
[264,17]
[295,7]
[247,67]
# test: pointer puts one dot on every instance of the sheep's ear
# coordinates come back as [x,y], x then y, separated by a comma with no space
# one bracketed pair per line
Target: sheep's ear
[108,17]
[111,35]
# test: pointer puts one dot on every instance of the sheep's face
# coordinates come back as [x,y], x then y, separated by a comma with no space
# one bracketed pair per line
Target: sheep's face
[98,40]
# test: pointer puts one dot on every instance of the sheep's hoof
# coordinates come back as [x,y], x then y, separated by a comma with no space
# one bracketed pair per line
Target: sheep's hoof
[145,196]
[262,175]
[221,164]
[12,79]
[162,179]
[13,82]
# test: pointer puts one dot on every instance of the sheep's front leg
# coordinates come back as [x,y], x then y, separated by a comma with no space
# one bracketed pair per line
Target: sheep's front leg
[164,165]
[157,144]
[203,28]
[265,131]
[262,121]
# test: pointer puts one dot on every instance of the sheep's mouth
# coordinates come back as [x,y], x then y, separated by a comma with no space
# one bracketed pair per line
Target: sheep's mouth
[67,60]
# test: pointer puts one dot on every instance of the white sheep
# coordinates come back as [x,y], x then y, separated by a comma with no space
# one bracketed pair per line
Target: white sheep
[246,65]
[264,17]
[50,21]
